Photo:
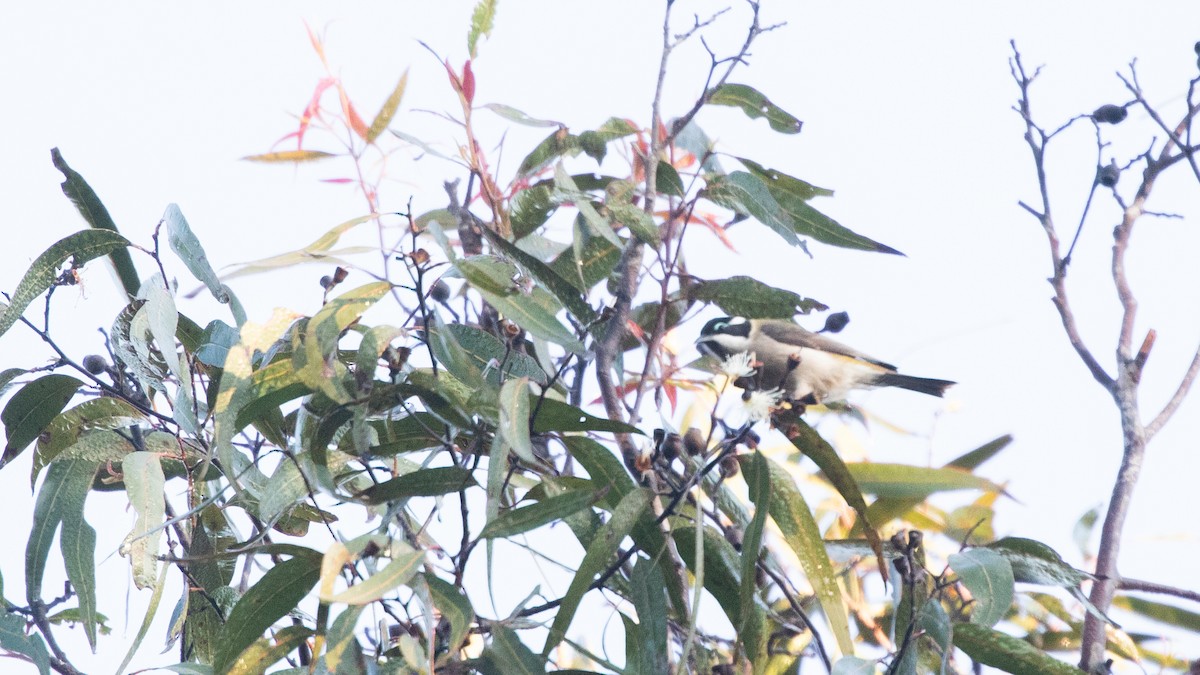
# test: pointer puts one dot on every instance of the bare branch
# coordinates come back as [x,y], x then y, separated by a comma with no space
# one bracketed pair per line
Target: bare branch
[1161,589]
[1181,392]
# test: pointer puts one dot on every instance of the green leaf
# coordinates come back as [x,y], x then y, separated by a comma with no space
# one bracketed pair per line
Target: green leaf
[599,554]
[667,180]
[493,279]
[902,480]
[482,21]
[418,431]
[487,352]
[750,631]
[32,409]
[747,195]
[555,415]
[562,289]
[63,494]
[511,655]
[838,474]
[324,330]
[454,606]
[795,520]
[77,540]
[384,117]
[531,208]
[722,571]
[755,105]
[598,225]
[42,274]
[215,343]
[558,144]
[1036,563]
[513,115]
[187,246]
[398,572]
[144,483]
[781,183]
[751,298]
[88,203]
[648,593]
[1009,654]
[595,260]
[883,509]
[550,509]
[13,638]
[989,578]
[605,469]
[263,653]
[278,592]
[812,223]
[514,418]
[422,483]
[1161,612]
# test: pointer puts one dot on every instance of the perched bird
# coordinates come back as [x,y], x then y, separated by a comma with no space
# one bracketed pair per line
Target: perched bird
[806,366]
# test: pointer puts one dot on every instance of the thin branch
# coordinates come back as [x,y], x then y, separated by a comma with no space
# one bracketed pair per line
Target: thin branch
[1181,392]
[1161,589]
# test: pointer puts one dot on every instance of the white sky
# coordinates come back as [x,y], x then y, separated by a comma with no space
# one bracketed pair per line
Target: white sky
[907,116]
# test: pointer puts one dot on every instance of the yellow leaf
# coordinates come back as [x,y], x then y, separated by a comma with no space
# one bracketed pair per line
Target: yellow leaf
[290,156]
[388,111]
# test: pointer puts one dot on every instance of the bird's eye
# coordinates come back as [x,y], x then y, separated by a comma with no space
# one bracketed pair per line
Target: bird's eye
[720,325]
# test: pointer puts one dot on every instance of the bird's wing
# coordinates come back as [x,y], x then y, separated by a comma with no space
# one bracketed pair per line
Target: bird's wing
[791,334]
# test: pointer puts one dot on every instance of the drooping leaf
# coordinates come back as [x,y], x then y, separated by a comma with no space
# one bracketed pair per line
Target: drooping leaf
[324,330]
[791,513]
[60,501]
[384,117]
[32,409]
[816,448]
[595,560]
[88,203]
[722,571]
[64,430]
[1161,612]
[423,483]
[751,298]
[605,469]
[755,105]
[42,274]
[289,156]
[650,600]
[398,572]
[278,592]
[558,144]
[548,510]
[144,483]
[452,605]
[810,222]
[568,191]
[747,195]
[514,418]
[989,578]
[555,415]
[903,480]
[148,619]
[760,494]
[1009,654]
[482,21]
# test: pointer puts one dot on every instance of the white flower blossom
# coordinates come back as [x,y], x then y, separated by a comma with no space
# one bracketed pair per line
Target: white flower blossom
[738,365]
[759,403]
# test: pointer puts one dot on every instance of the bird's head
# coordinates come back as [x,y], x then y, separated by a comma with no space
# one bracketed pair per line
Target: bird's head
[724,336]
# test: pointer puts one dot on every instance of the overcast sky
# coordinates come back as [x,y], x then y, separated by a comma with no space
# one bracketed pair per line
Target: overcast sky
[906,110]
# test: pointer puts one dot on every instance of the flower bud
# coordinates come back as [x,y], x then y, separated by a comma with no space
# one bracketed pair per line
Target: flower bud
[1110,114]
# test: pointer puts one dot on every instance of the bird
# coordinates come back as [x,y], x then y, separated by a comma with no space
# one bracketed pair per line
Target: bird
[807,367]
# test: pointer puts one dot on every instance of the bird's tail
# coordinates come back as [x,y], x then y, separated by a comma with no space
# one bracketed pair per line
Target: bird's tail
[924,385]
